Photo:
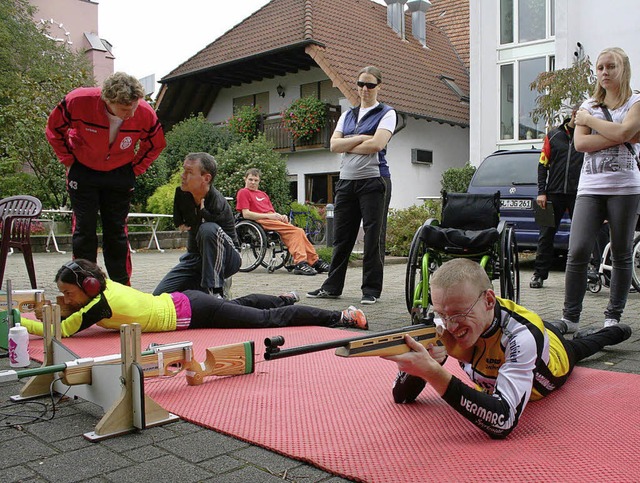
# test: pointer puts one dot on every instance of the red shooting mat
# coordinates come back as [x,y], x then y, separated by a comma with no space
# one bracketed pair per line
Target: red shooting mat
[338,414]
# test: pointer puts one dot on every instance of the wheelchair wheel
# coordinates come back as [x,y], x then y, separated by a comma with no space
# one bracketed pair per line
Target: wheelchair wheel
[510,266]
[316,232]
[635,278]
[594,281]
[276,254]
[421,264]
[253,244]
[277,260]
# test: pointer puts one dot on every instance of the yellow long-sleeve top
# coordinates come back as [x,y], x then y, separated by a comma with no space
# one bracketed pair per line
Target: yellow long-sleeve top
[117,305]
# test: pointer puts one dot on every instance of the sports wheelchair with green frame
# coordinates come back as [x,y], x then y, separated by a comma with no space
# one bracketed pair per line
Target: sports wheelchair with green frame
[470,228]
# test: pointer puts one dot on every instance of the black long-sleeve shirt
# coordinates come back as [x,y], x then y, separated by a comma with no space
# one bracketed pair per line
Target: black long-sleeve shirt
[216,209]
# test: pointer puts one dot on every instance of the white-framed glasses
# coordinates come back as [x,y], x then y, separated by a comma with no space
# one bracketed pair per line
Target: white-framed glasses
[458,318]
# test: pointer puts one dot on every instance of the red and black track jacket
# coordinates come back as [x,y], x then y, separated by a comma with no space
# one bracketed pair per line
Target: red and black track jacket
[78,130]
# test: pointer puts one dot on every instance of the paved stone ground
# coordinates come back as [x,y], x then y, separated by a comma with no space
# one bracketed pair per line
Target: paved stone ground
[54,450]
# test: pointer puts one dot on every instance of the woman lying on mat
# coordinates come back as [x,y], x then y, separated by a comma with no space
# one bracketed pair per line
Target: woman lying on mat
[109,304]
[508,351]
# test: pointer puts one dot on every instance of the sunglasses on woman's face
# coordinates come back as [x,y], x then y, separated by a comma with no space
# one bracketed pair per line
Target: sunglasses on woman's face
[368,85]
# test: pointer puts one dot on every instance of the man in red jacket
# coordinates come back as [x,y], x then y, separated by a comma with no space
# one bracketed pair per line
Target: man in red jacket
[105,137]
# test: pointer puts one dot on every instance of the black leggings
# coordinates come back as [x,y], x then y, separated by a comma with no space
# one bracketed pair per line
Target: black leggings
[579,349]
[589,213]
[254,311]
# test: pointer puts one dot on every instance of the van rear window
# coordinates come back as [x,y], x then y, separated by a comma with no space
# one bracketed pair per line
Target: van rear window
[508,170]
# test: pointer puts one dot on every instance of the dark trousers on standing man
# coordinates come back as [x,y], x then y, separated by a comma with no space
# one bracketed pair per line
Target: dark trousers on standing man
[544,252]
[107,192]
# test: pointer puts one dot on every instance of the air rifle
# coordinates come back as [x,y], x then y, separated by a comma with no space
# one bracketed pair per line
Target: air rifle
[387,343]
[159,360]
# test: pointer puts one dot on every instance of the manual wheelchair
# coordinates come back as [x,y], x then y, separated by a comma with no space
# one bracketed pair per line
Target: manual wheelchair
[470,228]
[259,247]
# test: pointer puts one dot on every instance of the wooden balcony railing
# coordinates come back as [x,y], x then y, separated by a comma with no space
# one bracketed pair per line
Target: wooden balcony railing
[276,133]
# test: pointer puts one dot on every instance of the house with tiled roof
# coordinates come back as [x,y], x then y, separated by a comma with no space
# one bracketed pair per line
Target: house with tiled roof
[294,48]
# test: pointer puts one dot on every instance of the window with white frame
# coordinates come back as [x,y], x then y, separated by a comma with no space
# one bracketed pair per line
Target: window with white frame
[517,100]
[523,21]
[526,49]
[506,101]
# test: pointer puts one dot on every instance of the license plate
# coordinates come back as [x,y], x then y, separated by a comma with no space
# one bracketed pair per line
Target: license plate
[516,204]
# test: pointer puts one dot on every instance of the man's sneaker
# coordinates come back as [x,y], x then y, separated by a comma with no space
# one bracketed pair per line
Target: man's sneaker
[536,282]
[407,388]
[290,298]
[353,317]
[321,294]
[565,326]
[303,268]
[368,300]
[321,266]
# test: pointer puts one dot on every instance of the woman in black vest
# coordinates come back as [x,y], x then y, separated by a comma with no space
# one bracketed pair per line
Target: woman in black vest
[361,136]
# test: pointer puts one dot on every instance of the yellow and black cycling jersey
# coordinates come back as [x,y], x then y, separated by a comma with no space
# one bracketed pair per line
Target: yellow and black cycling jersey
[516,359]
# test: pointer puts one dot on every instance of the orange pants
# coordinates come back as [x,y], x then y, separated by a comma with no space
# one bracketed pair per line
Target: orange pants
[294,238]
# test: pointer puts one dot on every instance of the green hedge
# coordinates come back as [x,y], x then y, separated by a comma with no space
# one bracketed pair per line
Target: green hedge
[456,180]
[403,224]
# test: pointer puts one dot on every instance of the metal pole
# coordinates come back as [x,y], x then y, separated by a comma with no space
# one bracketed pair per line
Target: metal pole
[329,212]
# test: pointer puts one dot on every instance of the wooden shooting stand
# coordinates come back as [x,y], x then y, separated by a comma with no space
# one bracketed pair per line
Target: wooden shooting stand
[118,388]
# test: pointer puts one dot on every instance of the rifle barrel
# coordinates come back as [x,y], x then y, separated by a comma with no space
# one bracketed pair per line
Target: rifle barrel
[270,355]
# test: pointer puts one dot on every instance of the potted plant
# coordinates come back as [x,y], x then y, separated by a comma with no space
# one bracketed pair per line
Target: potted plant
[245,122]
[305,117]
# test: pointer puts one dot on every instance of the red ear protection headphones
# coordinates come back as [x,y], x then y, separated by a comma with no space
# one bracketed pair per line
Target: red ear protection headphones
[87,282]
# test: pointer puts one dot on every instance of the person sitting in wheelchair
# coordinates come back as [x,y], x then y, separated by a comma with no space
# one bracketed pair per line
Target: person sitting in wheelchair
[256,205]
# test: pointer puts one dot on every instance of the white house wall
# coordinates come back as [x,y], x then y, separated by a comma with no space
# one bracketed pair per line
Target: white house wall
[450,147]
[593,23]
[597,28]
[449,144]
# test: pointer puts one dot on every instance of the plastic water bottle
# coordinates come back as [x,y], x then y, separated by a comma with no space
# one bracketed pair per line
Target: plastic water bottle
[19,346]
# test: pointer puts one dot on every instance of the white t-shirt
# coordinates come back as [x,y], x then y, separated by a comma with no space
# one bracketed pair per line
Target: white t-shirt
[363,166]
[114,126]
[611,171]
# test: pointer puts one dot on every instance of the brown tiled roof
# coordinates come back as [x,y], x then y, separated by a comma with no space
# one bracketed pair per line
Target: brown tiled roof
[279,23]
[342,36]
[452,16]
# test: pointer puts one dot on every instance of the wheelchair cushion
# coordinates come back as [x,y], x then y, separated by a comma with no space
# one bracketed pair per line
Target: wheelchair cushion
[440,238]
[467,211]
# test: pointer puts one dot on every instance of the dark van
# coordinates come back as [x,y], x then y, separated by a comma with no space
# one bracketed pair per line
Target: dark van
[515,175]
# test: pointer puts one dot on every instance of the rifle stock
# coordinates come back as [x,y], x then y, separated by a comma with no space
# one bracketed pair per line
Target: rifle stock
[159,360]
[65,310]
[385,343]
